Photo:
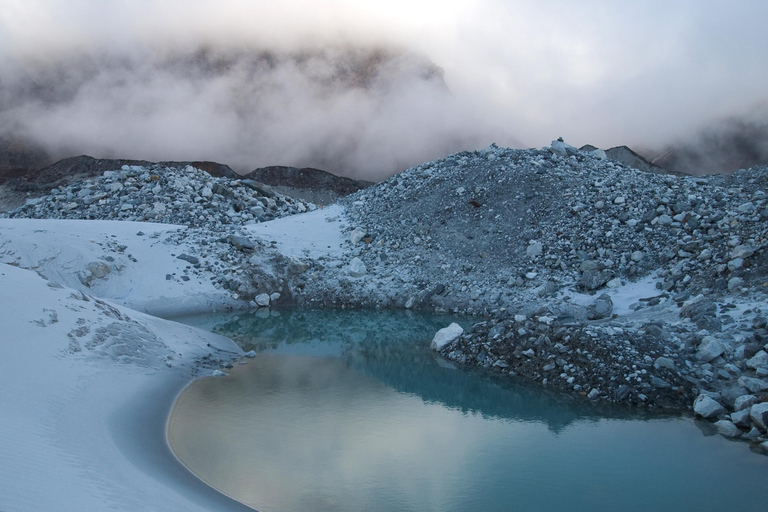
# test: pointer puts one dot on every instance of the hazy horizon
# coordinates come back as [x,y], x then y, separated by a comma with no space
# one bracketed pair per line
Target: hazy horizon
[368,89]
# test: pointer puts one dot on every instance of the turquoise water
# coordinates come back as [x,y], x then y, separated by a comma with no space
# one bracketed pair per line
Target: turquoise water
[352,411]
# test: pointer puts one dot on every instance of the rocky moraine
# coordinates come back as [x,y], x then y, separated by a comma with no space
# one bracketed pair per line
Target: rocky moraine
[543,246]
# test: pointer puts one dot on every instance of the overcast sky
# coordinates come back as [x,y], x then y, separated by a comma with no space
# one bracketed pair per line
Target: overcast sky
[521,73]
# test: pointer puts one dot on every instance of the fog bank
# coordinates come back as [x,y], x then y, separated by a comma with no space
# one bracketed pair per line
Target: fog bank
[367,89]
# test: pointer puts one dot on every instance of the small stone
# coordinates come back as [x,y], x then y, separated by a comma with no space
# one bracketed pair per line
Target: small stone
[186,257]
[594,393]
[262,300]
[250,354]
[637,256]
[735,264]
[664,220]
[218,373]
[534,250]
[742,251]
[664,362]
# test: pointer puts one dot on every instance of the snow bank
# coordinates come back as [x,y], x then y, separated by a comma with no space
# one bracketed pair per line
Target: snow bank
[87,386]
[129,263]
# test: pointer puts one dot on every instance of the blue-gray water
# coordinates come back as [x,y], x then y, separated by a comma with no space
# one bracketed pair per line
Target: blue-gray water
[351,411]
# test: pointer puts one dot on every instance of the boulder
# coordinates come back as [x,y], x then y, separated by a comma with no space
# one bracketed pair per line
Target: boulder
[742,251]
[534,250]
[446,336]
[727,429]
[707,407]
[356,268]
[752,384]
[594,279]
[759,415]
[709,349]
[744,402]
[759,360]
[664,362]
[356,235]
[296,265]
[262,300]
[602,308]
[242,243]
[741,418]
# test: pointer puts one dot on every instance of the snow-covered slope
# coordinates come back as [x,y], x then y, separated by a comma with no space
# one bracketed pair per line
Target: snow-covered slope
[87,386]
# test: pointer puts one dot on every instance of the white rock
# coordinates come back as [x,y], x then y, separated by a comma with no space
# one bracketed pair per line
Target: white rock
[356,268]
[707,407]
[759,415]
[446,335]
[638,255]
[356,235]
[262,300]
[218,373]
[250,354]
[614,283]
[534,250]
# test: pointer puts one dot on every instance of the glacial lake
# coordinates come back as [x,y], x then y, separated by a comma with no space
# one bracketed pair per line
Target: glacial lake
[351,411]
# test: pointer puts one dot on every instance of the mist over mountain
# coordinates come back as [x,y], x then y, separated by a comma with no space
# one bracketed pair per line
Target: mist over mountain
[367,89]
[359,111]
[726,146]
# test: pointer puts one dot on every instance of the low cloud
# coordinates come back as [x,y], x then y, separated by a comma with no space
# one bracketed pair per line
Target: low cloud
[370,89]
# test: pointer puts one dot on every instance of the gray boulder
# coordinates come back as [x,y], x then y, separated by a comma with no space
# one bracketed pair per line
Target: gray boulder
[741,418]
[752,384]
[744,402]
[709,349]
[759,360]
[356,268]
[297,265]
[594,279]
[727,429]
[707,407]
[759,415]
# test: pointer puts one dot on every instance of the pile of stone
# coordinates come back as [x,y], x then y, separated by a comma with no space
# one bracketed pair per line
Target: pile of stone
[483,227]
[185,196]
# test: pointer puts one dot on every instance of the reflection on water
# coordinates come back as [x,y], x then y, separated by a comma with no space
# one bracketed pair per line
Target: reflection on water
[355,413]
